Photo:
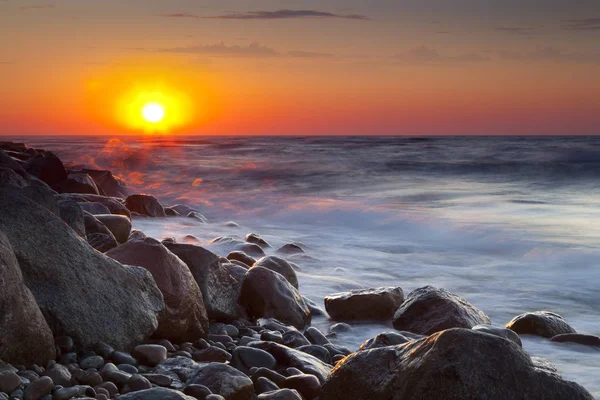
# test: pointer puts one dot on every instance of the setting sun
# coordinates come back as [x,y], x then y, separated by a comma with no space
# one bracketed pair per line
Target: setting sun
[153,112]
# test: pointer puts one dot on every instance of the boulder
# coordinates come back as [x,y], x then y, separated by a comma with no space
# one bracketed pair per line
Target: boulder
[25,337]
[280,394]
[100,300]
[364,304]
[78,183]
[113,205]
[224,380]
[290,249]
[428,310]
[281,266]
[244,358]
[182,209]
[72,215]
[454,364]
[156,394]
[38,388]
[145,204]
[8,177]
[184,317]
[150,354]
[540,323]
[119,225]
[242,257]
[97,234]
[253,250]
[384,339]
[197,216]
[8,162]
[502,332]
[256,239]
[107,183]
[267,294]
[578,338]
[94,207]
[221,284]
[47,167]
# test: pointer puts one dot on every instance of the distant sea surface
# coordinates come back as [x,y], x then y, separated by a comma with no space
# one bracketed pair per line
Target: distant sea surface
[510,223]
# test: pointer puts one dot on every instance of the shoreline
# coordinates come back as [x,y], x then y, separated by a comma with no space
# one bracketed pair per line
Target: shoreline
[233,304]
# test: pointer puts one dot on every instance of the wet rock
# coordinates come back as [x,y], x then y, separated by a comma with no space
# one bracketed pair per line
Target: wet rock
[145,204]
[244,358]
[312,306]
[262,385]
[179,369]
[428,310]
[340,327]
[184,317]
[47,167]
[452,364]
[268,294]
[182,209]
[112,204]
[136,383]
[107,183]
[119,225]
[317,351]
[9,382]
[315,336]
[72,215]
[294,339]
[25,337]
[290,249]
[94,207]
[159,379]
[540,323]
[198,217]
[225,380]
[211,354]
[256,239]
[578,338]
[171,213]
[150,354]
[156,394]
[242,257]
[220,284]
[100,299]
[77,183]
[364,304]
[253,250]
[59,374]
[383,340]
[279,265]
[197,391]
[38,388]
[8,177]
[102,241]
[282,394]
[95,362]
[502,332]
[307,385]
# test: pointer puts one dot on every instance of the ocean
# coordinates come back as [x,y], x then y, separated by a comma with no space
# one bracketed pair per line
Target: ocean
[512,224]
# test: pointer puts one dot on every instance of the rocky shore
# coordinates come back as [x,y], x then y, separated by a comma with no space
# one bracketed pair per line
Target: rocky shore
[93,309]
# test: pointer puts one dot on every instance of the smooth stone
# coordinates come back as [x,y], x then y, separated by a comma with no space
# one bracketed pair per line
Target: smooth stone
[275,377]
[64,343]
[307,385]
[211,354]
[59,374]
[150,354]
[242,257]
[578,338]
[340,327]
[159,379]
[244,358]
[119,225]
[225,380]
[78,183]
[119,357]
[279,265]
[95,362]
[281,394]
[272,336]
[251,249]
[295,339]
[364,304]
[263,384]
[292,371]
[317,351]
[290,249]
[90,378]
[540,323]
[384,339]
[312,306]
[109,387]
[156,394]
[197,391]
[65,393]
[145,204]
[38,388]
[256,239]
[135,383]
[315,336]
[130,369]
[9,382]
[335,349]
[502,332]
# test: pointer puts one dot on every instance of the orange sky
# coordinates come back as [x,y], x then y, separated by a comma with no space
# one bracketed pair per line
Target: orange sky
[304,67]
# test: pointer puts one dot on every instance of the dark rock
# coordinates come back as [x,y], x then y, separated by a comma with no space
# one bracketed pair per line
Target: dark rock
[428,310]
[211,354]
[502,332]
[136,235]
[150,354]
[109,387]
[282,394]
[315,336]
[8,177]
[103,350]
[91,378]
[317,351]
[59,374]
[586,340]
[290,249]
[102,242]
[129,368]
[77,183]
[256,239]
[540,323]
[145,204]
[136,383]
[95,362]
[279,265]
[225,380]
[9,382]
[262,385]
[313,307]
[100,300]
[171,213]
[156,394]
[364,304]
[452,364]
[307,385]
[72,215]
[197,391]
[294,338]
[184,317]
[47,167]
[42,195]
[25,337]
[159,379]
[94,207]
[179,369]
[340,327]
[220,284]
[242,257]
[65,344]
[197,216]
[38,388]
[112,204]
[287,358]
[107,183]
[119,225]
[383,340]
[275,377]
[182,209]
[335,349]
[268,294]
[253,250]
[272,336]
[244,358]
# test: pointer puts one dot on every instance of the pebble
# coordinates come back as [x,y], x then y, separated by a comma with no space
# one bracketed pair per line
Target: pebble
[39,388]
[307,385]
[263,385]
[95,362]
[212,354]
[244,358]
[9,382]
[340,327]
[150,354]
[118,357]
[197,391]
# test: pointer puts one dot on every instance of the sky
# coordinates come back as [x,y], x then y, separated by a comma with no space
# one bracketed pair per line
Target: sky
[337,67]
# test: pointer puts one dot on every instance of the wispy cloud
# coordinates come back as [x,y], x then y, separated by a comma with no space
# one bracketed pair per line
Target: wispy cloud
[252,50]
[36,7]
[277,14]
[585,24]
[425,55]
[515,30]
[551,54]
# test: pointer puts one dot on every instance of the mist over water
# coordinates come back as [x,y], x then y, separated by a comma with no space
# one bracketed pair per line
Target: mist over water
[508,223]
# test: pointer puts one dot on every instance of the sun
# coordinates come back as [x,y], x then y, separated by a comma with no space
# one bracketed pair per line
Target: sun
[153,112]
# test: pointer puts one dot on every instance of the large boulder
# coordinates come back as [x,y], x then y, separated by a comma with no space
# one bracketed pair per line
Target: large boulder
[25,337]
[145,204]
[81,293]
[113,205]
[78,183]
[267,294]
[119,225]
[47,167]
[184,317]
[454,364]
[281,266]
[9,177]
[221,284]
[364,304]
[428,310]
[97,234]
[72,215]
[541,323]
[107,183]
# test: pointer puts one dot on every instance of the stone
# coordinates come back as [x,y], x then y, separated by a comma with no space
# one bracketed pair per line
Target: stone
[197,216]
[136,383]
[256,239]
[279,265]
[428,310]
[272,376]
[11,178]
[107,183]
[102,242]
[242,257]
[315,336]
[59,374]
[294,339]
[317,351]
[502,332]
[220,284]
[314,308]
[100,299]
[72,215]
[156,394]
[307,385]
[159,379]
[184,317]
[47,167]
[364,304]
[197,391]
[77,183]
[262,385]
[94,207]
[540,323]
[38,388]
[578,338]
[179,369]
[290,249]
[267,294]
[95,362]
[182,209]
[211,354]
[384,339]
[171,213]
[150,354]
[453,364]
[9,382]
[145,204]
[281,394]
[25,337]
[225,380]
[244,358]
[112,204]
[251,249]
[119,226]
[340,327]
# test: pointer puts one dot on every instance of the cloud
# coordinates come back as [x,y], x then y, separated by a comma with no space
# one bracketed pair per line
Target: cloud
[551,54]
[585,24]
[277,14]
[38,7]
[425,55]
[253,50]
[308,54]
[515,30]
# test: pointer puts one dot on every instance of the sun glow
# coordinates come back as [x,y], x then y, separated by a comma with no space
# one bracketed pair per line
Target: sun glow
[153,112]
